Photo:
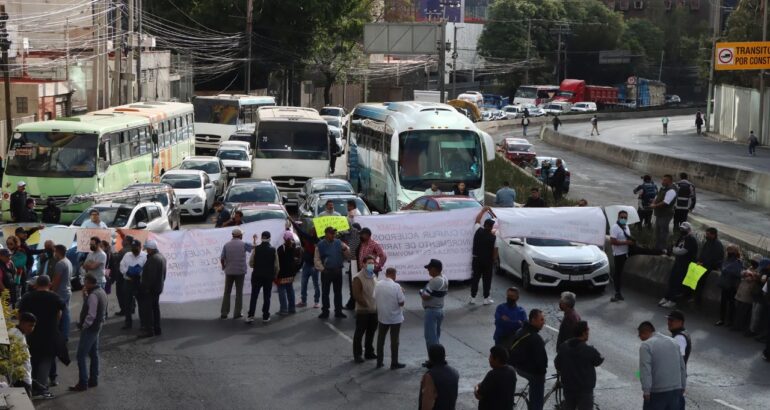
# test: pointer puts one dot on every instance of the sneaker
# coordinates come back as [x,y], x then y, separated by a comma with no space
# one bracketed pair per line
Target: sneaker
[488,301]
[250,320]
[301,304]
[472,300]
[340,315]
[265,319]
[45,395]
[669,304]
[396,366]
[316,305]
[323,315]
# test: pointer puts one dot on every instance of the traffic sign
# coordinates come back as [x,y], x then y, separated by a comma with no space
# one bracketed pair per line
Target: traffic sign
[751,55]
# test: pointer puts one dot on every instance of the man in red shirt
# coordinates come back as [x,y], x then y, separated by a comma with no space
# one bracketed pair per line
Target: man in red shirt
[369,247]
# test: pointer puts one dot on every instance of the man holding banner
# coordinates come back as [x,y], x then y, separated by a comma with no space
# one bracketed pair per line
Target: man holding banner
[233,260]
[330,254]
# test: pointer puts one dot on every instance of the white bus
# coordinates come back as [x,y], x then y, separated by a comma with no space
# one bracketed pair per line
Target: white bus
[398,149]
[292,146]
[217,117]
[535,94]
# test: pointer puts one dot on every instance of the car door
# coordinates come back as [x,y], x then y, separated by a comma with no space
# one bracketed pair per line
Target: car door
[157,221]
[512,254]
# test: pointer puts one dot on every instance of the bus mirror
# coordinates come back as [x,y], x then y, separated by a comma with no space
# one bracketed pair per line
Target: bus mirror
[155,137]
[394,147]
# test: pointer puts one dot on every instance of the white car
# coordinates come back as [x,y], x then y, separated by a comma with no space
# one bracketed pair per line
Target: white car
[552,262]
[473,97]
[555,108]
[584,107]
[236,144]
[213,166]
[236,160]
[144,215]
[194,189]
[513,111]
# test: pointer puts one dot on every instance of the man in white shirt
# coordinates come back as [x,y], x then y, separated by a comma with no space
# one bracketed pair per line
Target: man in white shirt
[620,239]
[329,209]
[389,298]
[353,211]
[433,190]
[95,222]
[131,268]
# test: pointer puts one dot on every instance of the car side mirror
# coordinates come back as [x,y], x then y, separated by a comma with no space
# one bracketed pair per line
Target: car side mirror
[141,225]
[517,242]
[208,186]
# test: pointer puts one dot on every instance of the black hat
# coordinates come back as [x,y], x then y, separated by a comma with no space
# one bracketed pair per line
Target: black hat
[136,243]
[676,315]
[266,235]
[489,223]
[434,263]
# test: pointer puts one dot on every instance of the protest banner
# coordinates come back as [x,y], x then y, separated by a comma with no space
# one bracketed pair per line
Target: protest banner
[577,224]
[84,236]
[694,273]
[138,234]
[340,223]
[59,235]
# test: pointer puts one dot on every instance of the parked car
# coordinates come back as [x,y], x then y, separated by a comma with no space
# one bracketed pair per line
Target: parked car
[533,110]
[322,185]
[261,211]
[556,108]
[584,107]
[194,189]
[333,111]
[537,170]
[242,190]
[672,99]
[518,150]
[143,215]
[441,203]
[244,136]
[231,144]
[552,262]
[168,198]
[513,112]
[236,160]
[213,166]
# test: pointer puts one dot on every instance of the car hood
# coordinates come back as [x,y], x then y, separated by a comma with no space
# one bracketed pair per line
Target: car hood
[567,254]
[236,163]
[186,193]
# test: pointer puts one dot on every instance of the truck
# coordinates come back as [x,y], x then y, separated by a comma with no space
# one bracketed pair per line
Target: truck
[574,91]
[642,92]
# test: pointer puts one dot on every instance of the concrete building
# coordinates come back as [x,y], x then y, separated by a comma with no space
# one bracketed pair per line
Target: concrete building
[33,100]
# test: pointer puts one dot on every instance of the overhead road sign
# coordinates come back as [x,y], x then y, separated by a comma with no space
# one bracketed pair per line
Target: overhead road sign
[401,38]
[750,55]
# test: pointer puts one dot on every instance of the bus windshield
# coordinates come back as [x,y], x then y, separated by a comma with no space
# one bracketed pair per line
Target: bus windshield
[216,111]
[526,92]
[293,140]
[443,156]
[52,154]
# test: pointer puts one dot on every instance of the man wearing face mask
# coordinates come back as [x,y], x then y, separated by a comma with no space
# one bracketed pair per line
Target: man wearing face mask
[47,261]
[620,239]
[509,317]
[264,261]
[366,310]
[685,251]
[95,261]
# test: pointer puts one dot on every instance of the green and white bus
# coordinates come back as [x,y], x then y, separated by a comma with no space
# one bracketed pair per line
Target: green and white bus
[99,152]
[398,149]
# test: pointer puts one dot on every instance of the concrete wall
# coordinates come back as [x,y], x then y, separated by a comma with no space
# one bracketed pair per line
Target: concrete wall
[736,113]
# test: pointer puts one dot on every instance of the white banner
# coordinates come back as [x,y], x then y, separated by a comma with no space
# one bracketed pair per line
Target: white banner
[577,224]
[193,270]
[411,240]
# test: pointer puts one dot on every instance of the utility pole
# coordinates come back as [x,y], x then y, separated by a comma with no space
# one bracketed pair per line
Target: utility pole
[558,58]
[762,78]
[130,60]
[716,7]
[139,50]
[442,60]
[117,80]
[5,45]
[529,45]
[454,63]
[249,7]
[561,29]
[67,51]
[660,70]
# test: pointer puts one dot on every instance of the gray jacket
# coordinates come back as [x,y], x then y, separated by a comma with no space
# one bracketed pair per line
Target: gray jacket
[234,257]
[661,366]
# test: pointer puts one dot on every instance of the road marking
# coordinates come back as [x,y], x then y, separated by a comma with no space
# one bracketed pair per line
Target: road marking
[552,328]
[726,404]
[339,332]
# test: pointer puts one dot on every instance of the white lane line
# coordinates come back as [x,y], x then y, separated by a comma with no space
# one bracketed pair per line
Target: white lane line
[726,404]
[552,328]
[339,332]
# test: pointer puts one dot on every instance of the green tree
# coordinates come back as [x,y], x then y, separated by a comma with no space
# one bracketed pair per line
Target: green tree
[744,24]
[642,37]
[505,35]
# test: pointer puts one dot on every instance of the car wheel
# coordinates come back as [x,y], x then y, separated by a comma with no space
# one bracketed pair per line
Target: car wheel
[526,280]
[205,214]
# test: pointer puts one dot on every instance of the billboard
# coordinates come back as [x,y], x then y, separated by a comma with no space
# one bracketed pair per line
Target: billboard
[434,10]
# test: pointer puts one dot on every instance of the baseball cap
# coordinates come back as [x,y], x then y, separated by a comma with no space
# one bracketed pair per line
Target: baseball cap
[686,226]
[237,232]
[151,244]
[434,263]
[21,183]
[676,315]
[266,235]
[489,223]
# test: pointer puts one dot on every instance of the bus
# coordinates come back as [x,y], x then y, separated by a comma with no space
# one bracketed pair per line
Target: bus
[99,152]
[220,116]
[292,147]
[398,149]
[535,94]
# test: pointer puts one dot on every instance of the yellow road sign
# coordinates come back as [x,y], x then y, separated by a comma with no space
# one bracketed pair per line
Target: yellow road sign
[752,55]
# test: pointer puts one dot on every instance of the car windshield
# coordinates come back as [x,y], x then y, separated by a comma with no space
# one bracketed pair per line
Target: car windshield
[519,147]
[341,205]
[293,140]
[337,112]
[251,193]
[209,167]
[182,181]
[339,187]
[113,217]
[334,122]
[447,204]
[548,242]
[262,214]
[446,156]
[52,154]
[233,154]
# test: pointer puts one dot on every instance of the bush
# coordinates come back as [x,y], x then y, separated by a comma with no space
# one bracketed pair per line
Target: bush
[500,170]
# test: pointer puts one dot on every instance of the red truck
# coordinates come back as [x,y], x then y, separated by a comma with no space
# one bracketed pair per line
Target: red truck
[574,91]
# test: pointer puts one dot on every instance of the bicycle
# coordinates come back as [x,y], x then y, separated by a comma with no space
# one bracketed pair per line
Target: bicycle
[521,398]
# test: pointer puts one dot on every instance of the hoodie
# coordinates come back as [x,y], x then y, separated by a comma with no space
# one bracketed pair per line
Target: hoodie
[576,362]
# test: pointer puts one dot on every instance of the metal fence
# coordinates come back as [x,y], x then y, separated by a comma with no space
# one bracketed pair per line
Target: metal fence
[736,113]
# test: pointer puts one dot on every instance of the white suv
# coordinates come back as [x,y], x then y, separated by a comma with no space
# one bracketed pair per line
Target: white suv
[144,215]
[584,107]
[194,189]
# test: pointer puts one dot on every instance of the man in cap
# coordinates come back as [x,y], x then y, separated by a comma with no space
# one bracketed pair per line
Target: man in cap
[19,203]
[131,266]
[233,260]
[95,222]
[264,261]
[439,385]
[484,255]
[433,303]
[685,252]
[330,254]
[150,288]
[679,333]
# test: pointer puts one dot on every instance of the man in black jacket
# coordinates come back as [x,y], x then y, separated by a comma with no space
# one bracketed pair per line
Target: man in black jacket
[558,179]
[712,254]
[576,362]
[529,358]
[685,251]
[51,212]
[150,288]
[19,203]
[264,261]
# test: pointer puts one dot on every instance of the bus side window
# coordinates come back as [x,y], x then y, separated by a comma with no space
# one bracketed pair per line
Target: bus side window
[144,141]
[135,143]
[125,146]
[115,147]
[104,157]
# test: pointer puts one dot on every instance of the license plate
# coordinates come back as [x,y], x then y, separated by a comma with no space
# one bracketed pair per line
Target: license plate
[232,174]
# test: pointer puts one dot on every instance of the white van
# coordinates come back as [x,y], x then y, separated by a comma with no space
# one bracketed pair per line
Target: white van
[584,107]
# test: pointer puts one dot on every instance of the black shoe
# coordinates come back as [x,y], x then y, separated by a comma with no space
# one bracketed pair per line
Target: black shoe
[324,315]
[92,383]
[370,356]
[396,366]
[126,327]
[380,365]
[145,335]
[340,315]
[53,382]
[358,360]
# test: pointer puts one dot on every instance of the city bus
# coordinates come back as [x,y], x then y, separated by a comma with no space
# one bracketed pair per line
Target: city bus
[292,147]
[398,149]
[535,94]
[99,152]
[217,117]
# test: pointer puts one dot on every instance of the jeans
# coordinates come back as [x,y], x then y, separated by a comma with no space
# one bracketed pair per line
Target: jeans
[680,215]
[88,347]
[662,232]
[309,271]
[266,285]
[286,297]
[64,328]
[578,400]
[667,400]
[483,272]
[433,319]
[617,278]
[727,305]
[331,278]
[366,324]
[229,281]
[149,312]
[120,291]
[742,318]
[382,331]
[752,149]
[41,368]
[536,390]
[675,288]
[131,287]
[524,128]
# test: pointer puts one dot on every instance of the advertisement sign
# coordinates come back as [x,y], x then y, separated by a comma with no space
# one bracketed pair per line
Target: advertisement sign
[750,55]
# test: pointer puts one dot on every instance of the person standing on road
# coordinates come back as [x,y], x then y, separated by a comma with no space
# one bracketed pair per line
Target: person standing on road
[663,208]
[753,143]
[711,257]
[558,179]
[369,247]
[509,318]
[571,317]
[496,391]
[439,385]
[664,121]
[116,275]
[18,206]
[433,190]
[92,317]
[484,256]
[96,261]
[524,124]
[556,123]
[729,278]
[366,311]
[353,239]
[60,284]
[576,362]
[309,241]
[131,266]
[749,285]
[679,334]
[289,261]
[264,261]
[529,358]
[534,200]
[698,122]
[505,196]
[662,370]
[330,255]
[433,303]
[389,299]
[223,215]
[685,252]
[233,261]
[150,289]
[646,192]
[685,199]
[594,125]
[621,240]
